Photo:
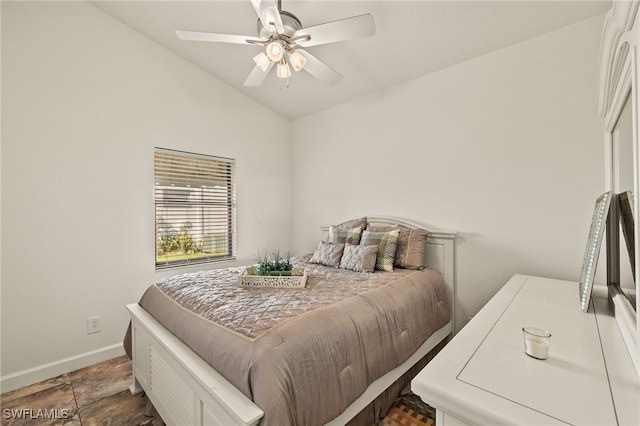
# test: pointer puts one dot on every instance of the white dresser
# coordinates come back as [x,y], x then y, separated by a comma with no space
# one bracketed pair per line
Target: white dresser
[484,377]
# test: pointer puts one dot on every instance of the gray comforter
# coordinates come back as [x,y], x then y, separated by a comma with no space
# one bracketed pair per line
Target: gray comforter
[302,355]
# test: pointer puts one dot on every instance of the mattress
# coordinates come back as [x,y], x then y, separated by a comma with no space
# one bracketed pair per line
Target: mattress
[302,355]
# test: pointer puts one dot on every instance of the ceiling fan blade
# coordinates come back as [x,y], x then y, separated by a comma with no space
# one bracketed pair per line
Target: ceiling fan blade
[343,29]
[257,76]
[215,37]
[269,14]
[319,69]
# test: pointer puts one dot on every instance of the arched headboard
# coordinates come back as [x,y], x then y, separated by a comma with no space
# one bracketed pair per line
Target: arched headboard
[439,252]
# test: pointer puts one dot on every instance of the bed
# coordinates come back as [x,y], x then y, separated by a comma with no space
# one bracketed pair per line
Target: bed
[325,356]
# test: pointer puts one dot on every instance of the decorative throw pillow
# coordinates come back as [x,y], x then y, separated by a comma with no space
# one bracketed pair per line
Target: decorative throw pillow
[341,236]
[328,254]
[410,246]
[386,242]
[359,258]
[354,223]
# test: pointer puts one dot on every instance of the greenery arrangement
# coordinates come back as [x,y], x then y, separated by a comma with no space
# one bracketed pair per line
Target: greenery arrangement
[274,264]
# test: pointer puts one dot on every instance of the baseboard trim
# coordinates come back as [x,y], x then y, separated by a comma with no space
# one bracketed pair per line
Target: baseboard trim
[53,369]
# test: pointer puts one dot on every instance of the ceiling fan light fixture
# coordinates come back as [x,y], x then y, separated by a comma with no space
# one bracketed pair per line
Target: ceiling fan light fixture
[297,60]
[262,61]
[283,70]
[275,51]
[283,40]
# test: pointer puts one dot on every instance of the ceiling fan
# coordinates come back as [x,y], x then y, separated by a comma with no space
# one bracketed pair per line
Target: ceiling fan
[282,36]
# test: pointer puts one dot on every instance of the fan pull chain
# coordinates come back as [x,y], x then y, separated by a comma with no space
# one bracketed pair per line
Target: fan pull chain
[284,83]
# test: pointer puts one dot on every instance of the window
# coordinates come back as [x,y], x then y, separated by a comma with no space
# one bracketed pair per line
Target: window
[195,207]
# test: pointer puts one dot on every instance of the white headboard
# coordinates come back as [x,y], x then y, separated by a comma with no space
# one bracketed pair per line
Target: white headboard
[439,252]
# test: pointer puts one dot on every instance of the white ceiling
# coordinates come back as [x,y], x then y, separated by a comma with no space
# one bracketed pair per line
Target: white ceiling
[413,38]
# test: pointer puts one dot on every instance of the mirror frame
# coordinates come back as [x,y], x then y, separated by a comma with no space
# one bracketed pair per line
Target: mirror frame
[628,226]
[592,251]
[618,81]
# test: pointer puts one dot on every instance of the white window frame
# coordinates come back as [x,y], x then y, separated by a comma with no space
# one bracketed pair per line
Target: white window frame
[195,208]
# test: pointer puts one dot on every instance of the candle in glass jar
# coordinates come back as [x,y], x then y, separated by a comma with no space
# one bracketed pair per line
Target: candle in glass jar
[536,342]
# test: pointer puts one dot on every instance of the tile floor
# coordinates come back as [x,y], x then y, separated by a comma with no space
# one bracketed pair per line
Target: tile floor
[92,396]
[96,395]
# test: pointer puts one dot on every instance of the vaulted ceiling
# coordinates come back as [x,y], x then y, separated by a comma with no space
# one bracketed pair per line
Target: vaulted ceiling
[413,38]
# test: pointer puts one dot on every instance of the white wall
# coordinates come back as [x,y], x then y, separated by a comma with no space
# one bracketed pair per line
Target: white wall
[84,101]
[507,149]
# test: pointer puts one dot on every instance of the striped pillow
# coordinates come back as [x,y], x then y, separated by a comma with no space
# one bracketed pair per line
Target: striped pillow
[410,247]
[386,242]
[342,236]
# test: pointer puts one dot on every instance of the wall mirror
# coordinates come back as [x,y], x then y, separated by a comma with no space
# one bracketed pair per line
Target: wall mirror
[627,258]
[618,104]
[623,166]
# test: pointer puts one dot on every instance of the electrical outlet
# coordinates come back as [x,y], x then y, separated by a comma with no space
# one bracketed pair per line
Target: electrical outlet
[93,325]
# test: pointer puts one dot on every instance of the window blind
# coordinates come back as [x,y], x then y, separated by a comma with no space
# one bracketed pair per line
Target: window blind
[195,205]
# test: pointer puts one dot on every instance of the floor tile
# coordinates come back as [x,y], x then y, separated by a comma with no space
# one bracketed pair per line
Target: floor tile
[53,406]
[37,387]
[101,380]
[119,409]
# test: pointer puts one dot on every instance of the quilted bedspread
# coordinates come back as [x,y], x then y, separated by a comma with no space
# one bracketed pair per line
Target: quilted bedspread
[302,355]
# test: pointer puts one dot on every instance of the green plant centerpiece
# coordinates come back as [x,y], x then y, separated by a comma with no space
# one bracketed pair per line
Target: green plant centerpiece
[273,270]
[274,264]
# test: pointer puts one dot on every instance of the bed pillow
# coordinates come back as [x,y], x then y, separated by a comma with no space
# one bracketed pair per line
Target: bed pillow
[359,258]
[410,246]
[386,242]
[351,224]
[328,254]
[342,236]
